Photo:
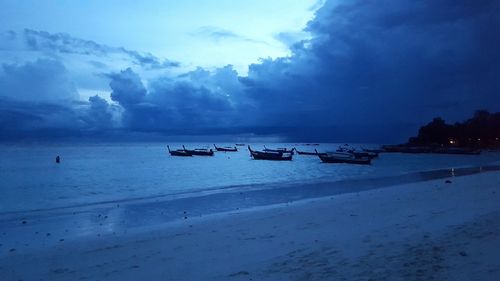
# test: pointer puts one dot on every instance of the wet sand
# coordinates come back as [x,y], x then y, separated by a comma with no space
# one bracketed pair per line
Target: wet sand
[429,230]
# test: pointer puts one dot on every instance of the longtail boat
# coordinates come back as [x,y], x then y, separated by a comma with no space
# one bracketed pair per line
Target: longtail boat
[226,149]
[305,152]
[178,152]
[200,151]
[343,157]
[270,155]
[281,149]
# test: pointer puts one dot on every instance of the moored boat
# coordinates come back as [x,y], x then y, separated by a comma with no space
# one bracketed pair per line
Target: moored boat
[281,149]
[343,157]
[200,151]
[270,155]
[305,152]
[360,154]
[226,149]
[357,153]
[178,152]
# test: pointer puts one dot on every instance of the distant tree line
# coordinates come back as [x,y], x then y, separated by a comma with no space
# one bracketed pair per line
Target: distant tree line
[480,131]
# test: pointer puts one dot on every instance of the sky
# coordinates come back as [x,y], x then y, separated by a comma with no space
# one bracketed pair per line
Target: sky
[347,71]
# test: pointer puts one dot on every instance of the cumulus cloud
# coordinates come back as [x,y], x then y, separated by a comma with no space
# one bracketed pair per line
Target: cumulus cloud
[372,71]
[38,99]
[30,119]
[196,100]
[41,80]
[292,38]
[383,66]
[127,87]
[99,115]
[40,120]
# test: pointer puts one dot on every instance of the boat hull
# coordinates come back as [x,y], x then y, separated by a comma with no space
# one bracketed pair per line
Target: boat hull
[306,153]
[201,153]
[279,150]
[226,149]
[274,156]
[180,153]
[332,159]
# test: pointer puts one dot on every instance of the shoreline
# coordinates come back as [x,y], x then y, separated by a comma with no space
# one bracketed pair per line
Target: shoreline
[358,184]
[409,231]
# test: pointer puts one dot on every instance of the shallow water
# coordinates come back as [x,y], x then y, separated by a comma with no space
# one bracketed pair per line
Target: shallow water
[88,174]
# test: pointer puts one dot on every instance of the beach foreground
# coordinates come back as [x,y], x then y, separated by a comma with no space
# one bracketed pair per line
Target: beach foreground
[429,230]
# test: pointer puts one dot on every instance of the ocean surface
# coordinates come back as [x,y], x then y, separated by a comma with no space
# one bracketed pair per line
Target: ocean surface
[95,173]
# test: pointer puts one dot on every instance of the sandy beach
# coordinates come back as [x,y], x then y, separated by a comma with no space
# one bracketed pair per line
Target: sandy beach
[430,230]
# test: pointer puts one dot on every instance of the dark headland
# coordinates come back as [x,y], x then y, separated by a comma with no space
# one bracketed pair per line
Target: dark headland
[481,132]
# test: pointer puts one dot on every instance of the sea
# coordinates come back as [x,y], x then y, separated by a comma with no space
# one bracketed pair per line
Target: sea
[93,174]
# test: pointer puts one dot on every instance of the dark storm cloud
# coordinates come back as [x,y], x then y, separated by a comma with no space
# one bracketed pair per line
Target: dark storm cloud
[27,119]
[381,68]
[127,87]
[290,38]
[41,80]
[64,43]
[172,104]
[98,114]
[373,71]
[38,99]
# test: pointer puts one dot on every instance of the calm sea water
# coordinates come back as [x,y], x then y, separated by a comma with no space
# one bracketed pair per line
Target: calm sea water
[30,179]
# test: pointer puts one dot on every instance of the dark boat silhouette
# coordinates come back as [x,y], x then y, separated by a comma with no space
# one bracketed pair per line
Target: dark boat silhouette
[304,152]
[226,149]
[178,152]
[281,149]
[343,157]
[357,153]
[270,155]
[199,151]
